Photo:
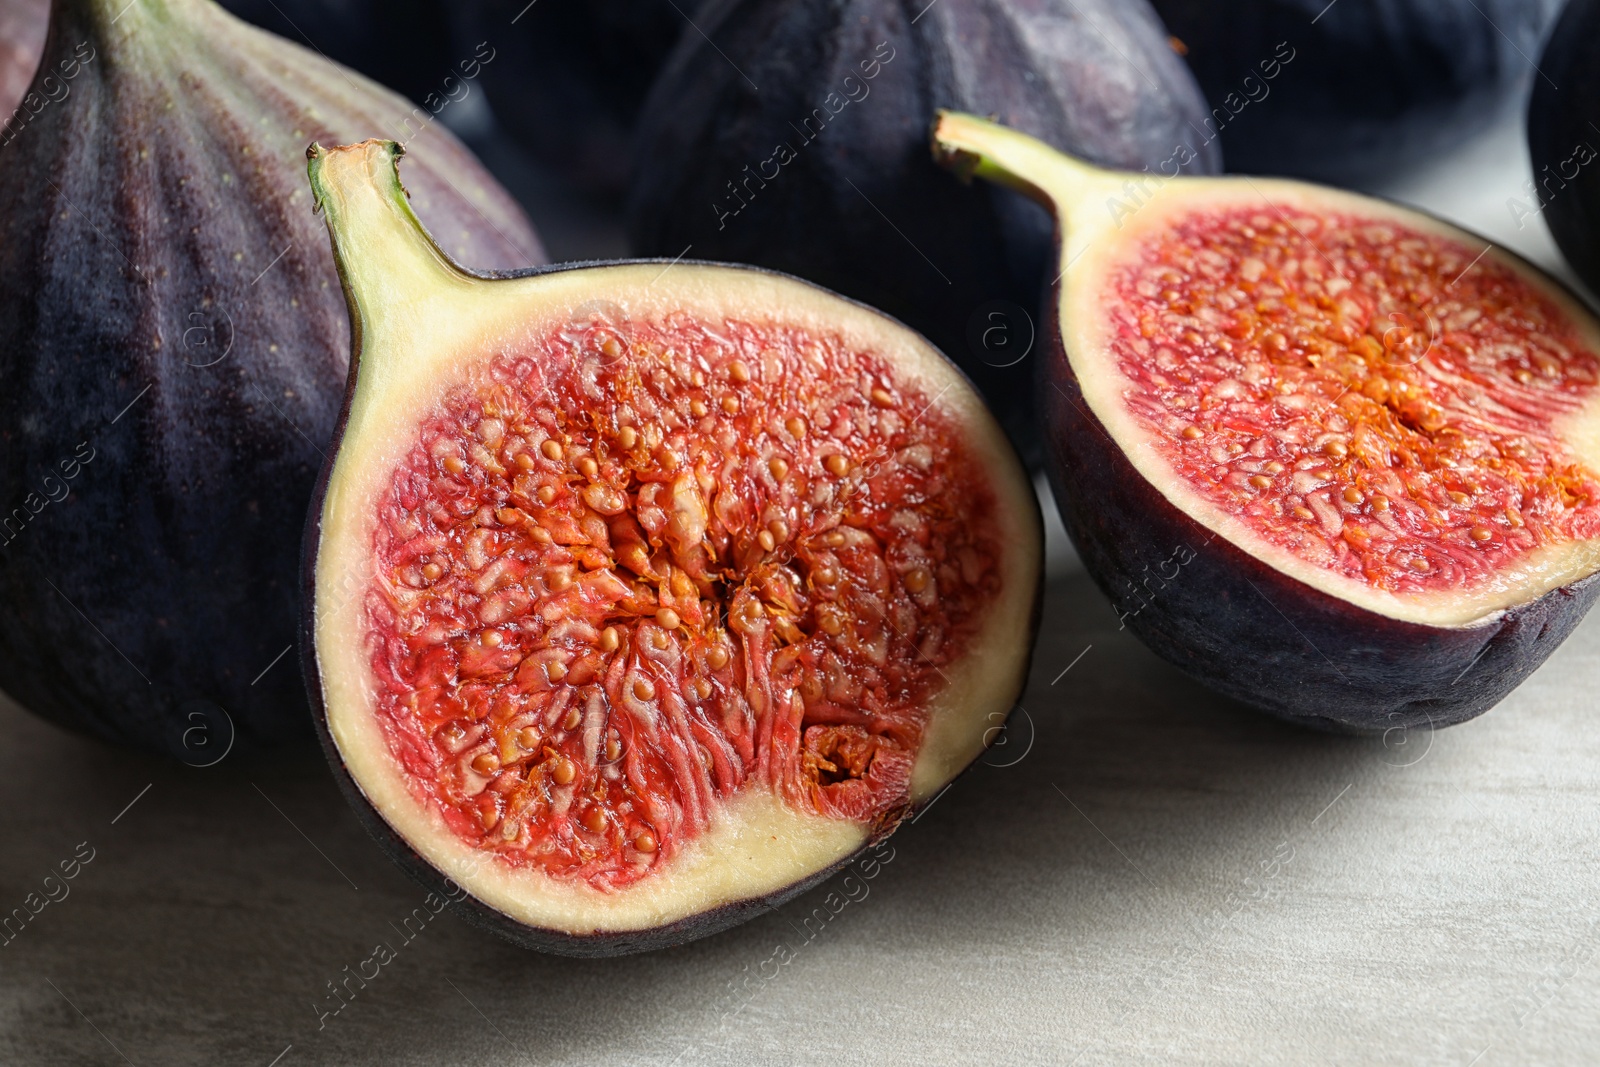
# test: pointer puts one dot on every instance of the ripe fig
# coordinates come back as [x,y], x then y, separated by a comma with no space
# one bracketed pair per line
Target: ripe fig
[1333,457]
[173,346]
[646,594]
[1562,139]
[1351,90]
[22,27]
[824,172]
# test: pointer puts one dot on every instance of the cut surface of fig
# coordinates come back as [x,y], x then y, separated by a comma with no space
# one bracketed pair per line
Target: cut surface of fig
[1382,403]
[645,593]
[1368,437]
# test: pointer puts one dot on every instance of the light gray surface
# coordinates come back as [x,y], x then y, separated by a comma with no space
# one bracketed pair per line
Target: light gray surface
[1159,877]
[1110,896]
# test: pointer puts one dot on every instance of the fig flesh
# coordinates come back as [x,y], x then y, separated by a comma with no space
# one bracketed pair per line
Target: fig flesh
[1333,457]
[824,172]
[174,348]
[646,594]
[1351,91]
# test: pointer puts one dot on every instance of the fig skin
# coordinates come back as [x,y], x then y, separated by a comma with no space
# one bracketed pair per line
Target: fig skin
[860,209]
[168,302]
[1563,143]
[1221,614]
[1372,85]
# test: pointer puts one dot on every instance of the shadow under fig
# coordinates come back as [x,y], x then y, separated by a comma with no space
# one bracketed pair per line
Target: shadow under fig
[223,907]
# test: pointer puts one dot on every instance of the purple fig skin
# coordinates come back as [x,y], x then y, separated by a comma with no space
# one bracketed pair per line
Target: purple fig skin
[1348,92]
[170,309]
[1253,633]
[860,208]
[1562,142]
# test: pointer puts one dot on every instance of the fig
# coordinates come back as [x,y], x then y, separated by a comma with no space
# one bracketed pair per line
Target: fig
[1349,91]
[1332,457]
[644,595]
[569,77]
[22,28]
[1563,143]
[824,172]
[173,343]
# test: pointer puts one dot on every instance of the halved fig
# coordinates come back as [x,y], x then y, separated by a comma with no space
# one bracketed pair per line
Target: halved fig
[1335,458]
[646,594]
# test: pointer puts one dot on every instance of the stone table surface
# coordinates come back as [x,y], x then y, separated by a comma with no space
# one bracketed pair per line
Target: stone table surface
[1144,873]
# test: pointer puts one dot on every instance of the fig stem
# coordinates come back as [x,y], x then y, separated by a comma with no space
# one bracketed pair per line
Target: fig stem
[971,146]
[392,271]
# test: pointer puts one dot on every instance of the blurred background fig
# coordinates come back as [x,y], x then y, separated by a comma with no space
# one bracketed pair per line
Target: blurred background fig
[405,45]
[1564,142]
[793,135]
[1351,91]
[569,78]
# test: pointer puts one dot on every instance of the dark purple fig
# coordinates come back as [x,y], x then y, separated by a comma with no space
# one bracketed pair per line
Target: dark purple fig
[793,135]
[1353,90]
[174,346]
[22,28]
[568,77]
[1335,458]
[644,596]
[1564,142]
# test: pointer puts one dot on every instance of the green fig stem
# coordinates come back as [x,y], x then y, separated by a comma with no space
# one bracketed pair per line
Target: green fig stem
[972,146]
[387,261]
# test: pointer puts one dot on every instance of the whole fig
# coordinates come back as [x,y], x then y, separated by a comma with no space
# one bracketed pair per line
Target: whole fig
[174,345]
[793,134]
